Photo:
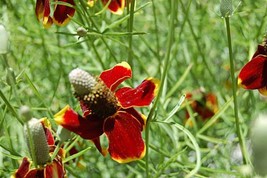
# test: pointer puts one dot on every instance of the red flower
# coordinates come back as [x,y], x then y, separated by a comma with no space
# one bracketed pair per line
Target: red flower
[254,74]
[109,110]
[115,6]
[61,14]
[202,103]
[54,168]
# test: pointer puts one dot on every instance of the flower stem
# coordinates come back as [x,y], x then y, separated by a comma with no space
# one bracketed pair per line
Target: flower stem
[234,88]
[130,30]
[170,38]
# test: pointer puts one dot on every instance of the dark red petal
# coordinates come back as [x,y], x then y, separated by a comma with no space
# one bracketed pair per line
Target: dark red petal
[139,96]
[114,76]
[48,133]
[140,117]
[87,128]
[23,168]
[54,169]
[125,139]
[260,50]
[115,6]
[62,12]
[99,147]
[254,74]
[35,173]
[42,10]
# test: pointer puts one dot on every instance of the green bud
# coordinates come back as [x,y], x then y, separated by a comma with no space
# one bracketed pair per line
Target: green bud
[3,40]
[25,112]
[226,8]
[10,77]
[258,137]
[81,31]
[39,149]
[63,134]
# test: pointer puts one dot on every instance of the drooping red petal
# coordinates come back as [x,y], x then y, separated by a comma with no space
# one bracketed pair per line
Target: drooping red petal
[125,139]
[23,168]
[63,13]
[35,173]
[260,50]
[254,74]
[48,134]
[139,96]
[42,10]
[54,169]
[115,6]
[140,117]
[87,127]
[114,76]
[96,141]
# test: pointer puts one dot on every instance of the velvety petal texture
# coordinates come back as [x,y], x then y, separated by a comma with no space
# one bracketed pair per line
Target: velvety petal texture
[63,13]
[23,169]
[116,75]
[124,135]
[254,74]
[139,96]
[87,128]
[115,6]
[42,11]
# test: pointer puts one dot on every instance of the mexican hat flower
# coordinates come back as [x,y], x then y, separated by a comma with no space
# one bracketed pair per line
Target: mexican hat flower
[110,111]
[254,74]
[44,147]
[61,15]
[115,6]
[203,103]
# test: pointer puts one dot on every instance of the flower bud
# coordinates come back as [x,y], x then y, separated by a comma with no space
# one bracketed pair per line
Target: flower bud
[81,81]
[3,40]
[25,112]
[259,145]
[81,32]
[10,77]
[226,8]
[63,134]
[39,149]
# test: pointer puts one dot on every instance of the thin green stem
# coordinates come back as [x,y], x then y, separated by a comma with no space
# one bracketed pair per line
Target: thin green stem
[234,88]
[173,4]
[130,30]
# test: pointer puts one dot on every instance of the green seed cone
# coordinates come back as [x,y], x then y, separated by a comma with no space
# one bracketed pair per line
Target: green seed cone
[40,150]
[226,8]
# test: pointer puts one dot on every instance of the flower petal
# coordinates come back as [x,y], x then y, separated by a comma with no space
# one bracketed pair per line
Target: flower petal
[139,96]
[140,117]
[87,127]
[48,134]
[115,6]
[125,139]
[99,147]
[23,168]
[63,13]
[114,76]
[254,74]
[260,50]
[54,169]
[42,10]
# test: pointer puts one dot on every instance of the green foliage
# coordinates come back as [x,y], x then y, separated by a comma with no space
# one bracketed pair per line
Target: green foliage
[185,46]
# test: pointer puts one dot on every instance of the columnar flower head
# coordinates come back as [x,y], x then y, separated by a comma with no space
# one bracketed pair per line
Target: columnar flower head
[61,15]
[44,147]
[254,74]
[109,110]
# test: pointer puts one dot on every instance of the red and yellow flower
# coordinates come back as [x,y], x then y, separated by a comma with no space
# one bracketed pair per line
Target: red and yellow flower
[203,103]
[115,6]
[109,110]
[61,15]
[53,168]
[254,74]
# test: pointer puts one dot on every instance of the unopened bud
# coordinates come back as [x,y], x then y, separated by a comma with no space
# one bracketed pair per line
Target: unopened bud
[37,137]
[10,77]
[81,81]
[259,145]
[3,40]
[81,32]
[25,112]
[226,8]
